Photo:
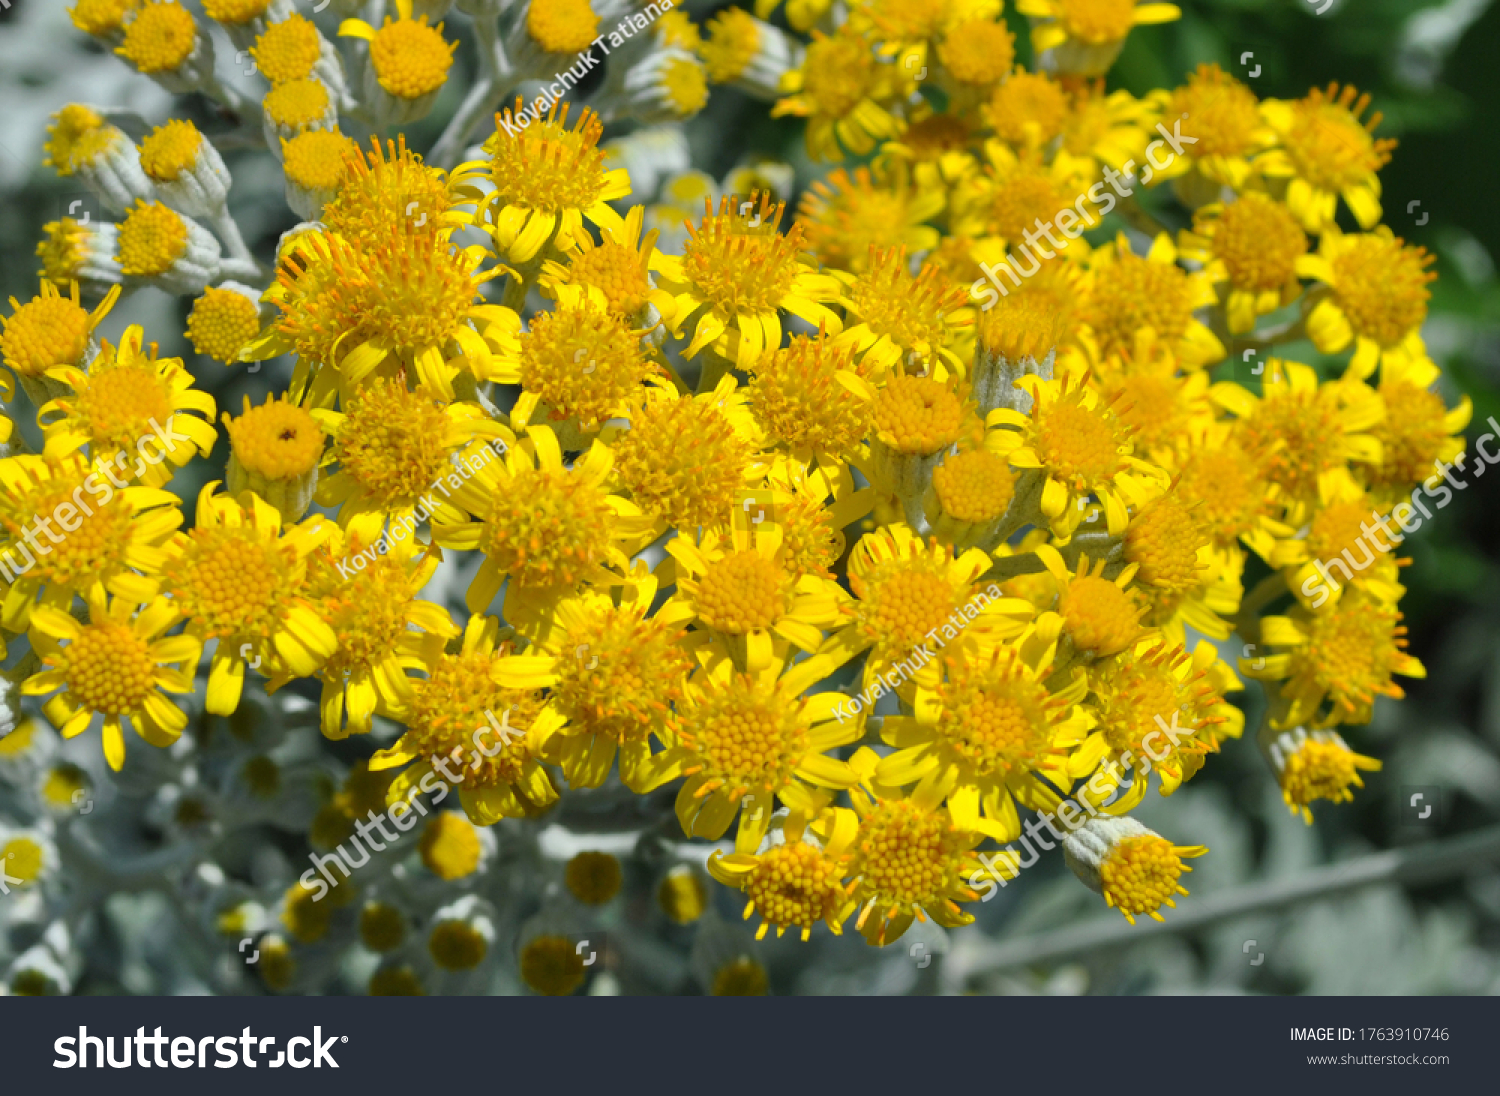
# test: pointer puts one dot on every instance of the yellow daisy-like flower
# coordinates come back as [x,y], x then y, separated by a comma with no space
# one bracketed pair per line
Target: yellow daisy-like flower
[370,601]
[746,740]
[735,275]
[1254,244]
[287,50]
[1327,152]
[452,722]
[1311,765]
[1424,432]
[544,525]
[900,313]
[1158,709]
[1298,432]
[740,590]
[913,594]
[102,18]
[274,450]
[847,214]
[126,399]
[1088,34]
[1183,580]
[839,89]
[394,447]
[619,269]
[1224,115]
[613,673]
[406,306]
[1028,111]
[116,664]
[1378,300]
[798,394]
[160,38]
[1080,447]
[49,331]
[238,578]
[1128,292]
[910,859]
[685,460]
[1108,128]
[580,363]
[389,190]
[548,180]
[409,60]
[1100,617]
[1345,533]
[1335,661]
[110,531]
[795,883]
[989,733]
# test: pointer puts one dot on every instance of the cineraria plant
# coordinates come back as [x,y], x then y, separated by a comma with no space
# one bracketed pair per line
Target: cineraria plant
[816,550]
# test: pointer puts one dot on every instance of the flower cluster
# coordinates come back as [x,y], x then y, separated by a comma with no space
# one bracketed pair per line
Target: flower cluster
[859,548]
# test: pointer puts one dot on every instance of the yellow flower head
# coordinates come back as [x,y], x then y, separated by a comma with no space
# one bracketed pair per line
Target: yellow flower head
[1327,152]
[160,38]
[115,664]
[131,402]
[1313,765]
[798,882]
[409,58]
[50,330]
[840,89]
[849,216]
[287,50]
[221,322]
[1379,298]
[1135,869]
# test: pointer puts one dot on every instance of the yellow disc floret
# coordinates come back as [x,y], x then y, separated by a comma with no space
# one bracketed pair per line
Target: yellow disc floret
[1140,875]
[170,150]
[411,59]
[221,323]
[152,238]
[160,37]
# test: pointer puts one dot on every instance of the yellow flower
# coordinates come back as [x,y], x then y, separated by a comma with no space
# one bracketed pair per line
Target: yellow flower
[798,394]
[847,214]
[618,269]
[1298,432]
[1128,292]
[613,673]
[544,525]
[735,275]
[1425,431]
[160,39]
[238,578]
[408,63]
[393,448]
[370,602]
[1135,869]
[400,307]
[120,532]
[451,723]
[222,321]
[116,664]
[839,88]
[49,331]
[1028,111]
[684,460]
[1313,765]
[274,450]
[1335,661]
[988,733]
[287,50]
[1224,115]
[127,399]
[1099,616]
[1342,534]
[102,18]
[1254,244]
[745,740]
[739,589]
[901,315]
[548,180]
[1327,152]
[1157,709]
[795,883]
[1016,191]
[910,859]
[1080,447]
[1088,34]
[1109,129]
[1379,298]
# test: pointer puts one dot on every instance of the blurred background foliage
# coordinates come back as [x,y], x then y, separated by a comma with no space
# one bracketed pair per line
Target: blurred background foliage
[1431,70]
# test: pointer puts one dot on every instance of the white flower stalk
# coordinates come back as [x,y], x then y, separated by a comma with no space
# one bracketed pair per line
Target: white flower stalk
[81,143]
[187,170]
